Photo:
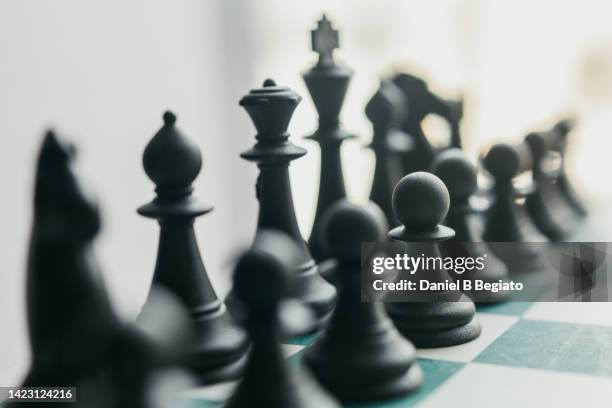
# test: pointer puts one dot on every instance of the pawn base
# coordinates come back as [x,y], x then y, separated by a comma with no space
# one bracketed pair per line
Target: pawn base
[404,385]
[444,337]
[382,363]
[436,324]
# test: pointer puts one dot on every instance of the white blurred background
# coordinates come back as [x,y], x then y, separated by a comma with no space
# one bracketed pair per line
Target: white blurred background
[102,73]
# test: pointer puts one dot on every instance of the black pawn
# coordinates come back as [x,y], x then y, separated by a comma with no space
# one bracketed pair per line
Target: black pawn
[70,317]
[172,162]
[263,284]
[327,83]
[158,341]
[541,204]
[459,175]
[360,356]
[563,128]
[270,109]
[421,202]
[506,220]
[386,111]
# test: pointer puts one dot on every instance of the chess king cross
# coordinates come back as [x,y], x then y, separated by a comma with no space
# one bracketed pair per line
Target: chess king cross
[327,83]
[325,41]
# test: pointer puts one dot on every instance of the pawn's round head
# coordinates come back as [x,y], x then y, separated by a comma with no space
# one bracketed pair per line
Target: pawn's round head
[454,168]
[420,201]
[503,161]
[262,276]
[346,226]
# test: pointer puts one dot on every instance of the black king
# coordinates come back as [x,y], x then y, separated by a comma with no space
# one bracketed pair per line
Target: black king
[327,83]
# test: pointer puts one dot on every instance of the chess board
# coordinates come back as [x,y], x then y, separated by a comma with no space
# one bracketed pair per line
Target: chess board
[528,355]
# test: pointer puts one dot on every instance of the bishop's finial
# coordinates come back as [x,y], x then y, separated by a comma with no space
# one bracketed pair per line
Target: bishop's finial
[169,118]
[324,41]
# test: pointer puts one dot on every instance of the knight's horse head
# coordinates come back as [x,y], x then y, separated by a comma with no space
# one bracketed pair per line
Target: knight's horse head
[63,212]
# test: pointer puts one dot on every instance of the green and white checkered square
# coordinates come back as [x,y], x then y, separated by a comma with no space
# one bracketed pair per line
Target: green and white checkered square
[528,355]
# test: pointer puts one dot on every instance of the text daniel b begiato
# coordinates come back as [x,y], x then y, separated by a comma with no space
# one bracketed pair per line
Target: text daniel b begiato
[404,264]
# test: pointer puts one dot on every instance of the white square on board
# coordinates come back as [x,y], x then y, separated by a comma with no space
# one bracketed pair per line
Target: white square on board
[487,385]
[492,327]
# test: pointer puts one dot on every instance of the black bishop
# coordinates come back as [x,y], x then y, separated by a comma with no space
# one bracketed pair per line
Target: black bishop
[173,161]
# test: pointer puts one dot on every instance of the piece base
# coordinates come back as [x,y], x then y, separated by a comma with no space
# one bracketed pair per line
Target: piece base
[401,386]
[442,338]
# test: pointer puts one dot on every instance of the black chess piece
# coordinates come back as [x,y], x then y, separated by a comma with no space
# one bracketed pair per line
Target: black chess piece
[421,103]
[459,175]
[327,83]
[446,317]
[263,285]
[360,356]
[172,161]
[158,342]
[454,115]
[270,109]
[70,317]
[562,129]
[386,111]
[542,204]
[506,220]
